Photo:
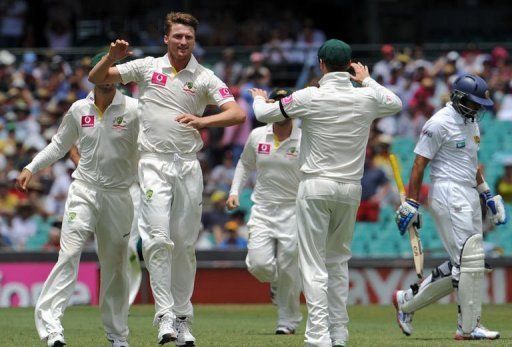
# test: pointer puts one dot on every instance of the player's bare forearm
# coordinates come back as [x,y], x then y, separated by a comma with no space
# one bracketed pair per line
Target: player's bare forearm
[103,72]
[231,114]
[479,177]
[418,170]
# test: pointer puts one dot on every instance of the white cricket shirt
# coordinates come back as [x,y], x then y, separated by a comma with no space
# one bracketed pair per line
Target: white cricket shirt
[107,143]
[277,168]
[336,120]
[452,146]
[165,94]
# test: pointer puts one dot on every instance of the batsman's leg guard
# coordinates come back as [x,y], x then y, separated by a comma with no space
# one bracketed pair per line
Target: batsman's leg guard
[436,286]
[472,268]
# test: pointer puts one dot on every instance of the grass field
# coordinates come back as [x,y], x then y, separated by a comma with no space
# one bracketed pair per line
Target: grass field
[253,325]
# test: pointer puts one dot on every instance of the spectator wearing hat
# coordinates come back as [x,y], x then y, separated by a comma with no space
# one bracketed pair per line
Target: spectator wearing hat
[382,69]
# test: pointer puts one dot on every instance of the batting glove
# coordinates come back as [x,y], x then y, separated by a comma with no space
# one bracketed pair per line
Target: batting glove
[407,215]
[494,204]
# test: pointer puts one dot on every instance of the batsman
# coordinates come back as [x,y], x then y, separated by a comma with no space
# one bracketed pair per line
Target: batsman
[450,142]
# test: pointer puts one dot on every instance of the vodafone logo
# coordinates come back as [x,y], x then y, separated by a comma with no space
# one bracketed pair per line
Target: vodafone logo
[225,93]
[87,121]
[263,148]
[159,79]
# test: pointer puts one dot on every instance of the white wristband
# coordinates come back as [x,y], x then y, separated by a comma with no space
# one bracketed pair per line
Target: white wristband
[482,187]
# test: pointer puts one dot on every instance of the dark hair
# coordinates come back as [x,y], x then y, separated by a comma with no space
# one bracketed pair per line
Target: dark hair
[180,18]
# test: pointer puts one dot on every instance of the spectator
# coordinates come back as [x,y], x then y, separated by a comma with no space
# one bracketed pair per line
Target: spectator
[23,226]
[228,69]
[375,187]
[232,240]
[383,67]
[504,183]
[222,175]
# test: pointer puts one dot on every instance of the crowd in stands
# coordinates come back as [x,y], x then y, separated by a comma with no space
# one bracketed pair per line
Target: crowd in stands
[36,90]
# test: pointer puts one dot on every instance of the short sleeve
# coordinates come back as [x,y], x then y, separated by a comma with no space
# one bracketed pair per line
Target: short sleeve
[133,71]
[430,141]
[218,92]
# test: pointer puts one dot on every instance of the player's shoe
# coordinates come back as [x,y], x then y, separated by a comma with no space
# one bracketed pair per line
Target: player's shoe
[55,340]
[282,330]
[403,319]
[185,337]
[166,331]
[118,342]
[479,333]
[338,343]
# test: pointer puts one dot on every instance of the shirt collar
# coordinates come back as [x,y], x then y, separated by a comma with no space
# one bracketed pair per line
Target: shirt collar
[341,78]
[117,100]
[191,66]
[454,114]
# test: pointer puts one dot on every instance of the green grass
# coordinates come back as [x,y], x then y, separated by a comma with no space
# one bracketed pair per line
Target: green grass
[253,325]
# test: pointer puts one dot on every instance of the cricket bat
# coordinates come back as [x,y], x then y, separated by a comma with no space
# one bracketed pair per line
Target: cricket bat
[414,238]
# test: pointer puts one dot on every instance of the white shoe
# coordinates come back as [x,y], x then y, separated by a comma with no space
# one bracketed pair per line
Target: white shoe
[119,343]
[338,343]
[185,338]
[56,340]
[403,319]
[282,330]
[166,331]
[479,333]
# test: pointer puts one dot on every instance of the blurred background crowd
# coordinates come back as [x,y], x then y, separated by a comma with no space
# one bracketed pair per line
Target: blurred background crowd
[37,86]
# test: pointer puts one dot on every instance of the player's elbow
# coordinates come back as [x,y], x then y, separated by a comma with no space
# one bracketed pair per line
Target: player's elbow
[240,116]
[93,78]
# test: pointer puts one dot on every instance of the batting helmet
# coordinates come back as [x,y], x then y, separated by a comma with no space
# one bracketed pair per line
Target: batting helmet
[469,92]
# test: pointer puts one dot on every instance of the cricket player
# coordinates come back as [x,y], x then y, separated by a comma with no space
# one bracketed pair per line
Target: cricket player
[106,127]
[450,142]
[336,119]
[272,151]
[174,92]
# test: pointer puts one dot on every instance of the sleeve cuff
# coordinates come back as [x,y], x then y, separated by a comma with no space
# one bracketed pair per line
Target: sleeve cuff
[30,167]
[367,81]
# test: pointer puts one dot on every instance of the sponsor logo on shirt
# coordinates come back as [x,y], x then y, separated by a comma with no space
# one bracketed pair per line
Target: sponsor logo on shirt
[87,121]
[225,93]
[292,152]
[119,123]
[149,194]
[287,100]
[189,88]
[263,148]
[159,79]
[71,216]
[427,133]
[461,144]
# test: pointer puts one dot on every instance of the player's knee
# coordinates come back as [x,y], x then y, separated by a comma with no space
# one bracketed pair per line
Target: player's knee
[261,268]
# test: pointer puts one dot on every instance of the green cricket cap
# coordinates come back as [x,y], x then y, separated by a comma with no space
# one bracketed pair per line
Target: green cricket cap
[335,52]
[96,59]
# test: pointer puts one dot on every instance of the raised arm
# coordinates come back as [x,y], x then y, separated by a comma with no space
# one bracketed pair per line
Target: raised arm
[103,72]
[389,102]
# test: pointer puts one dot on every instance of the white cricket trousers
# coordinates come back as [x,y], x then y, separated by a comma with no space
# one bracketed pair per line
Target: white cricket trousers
[107,213]
[272,257]
[458,216]
[169,222]
[326,215]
